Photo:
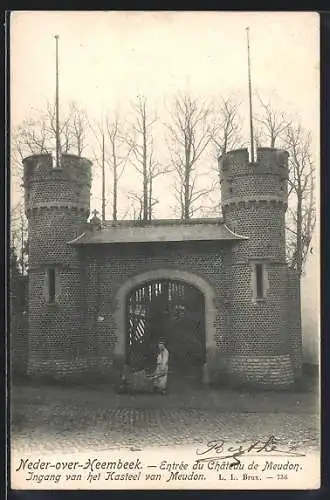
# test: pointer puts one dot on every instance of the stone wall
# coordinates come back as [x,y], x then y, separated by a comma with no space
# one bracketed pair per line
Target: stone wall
[18,324]
[109,268]
[264,372]
[294,321]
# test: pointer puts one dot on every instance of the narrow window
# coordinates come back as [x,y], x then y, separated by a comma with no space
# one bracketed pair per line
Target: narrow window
[51,285]
[260,281]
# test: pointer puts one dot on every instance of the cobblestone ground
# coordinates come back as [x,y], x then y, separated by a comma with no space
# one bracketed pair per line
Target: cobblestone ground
[77,419]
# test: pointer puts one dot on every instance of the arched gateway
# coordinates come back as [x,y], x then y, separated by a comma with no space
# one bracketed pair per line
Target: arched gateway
[171,305]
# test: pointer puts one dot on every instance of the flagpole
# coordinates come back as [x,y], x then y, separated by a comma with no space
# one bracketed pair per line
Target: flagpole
[250,95]
[57,132]
[103,177]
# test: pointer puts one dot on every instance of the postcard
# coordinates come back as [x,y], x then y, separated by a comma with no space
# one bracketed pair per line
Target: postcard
[164,250]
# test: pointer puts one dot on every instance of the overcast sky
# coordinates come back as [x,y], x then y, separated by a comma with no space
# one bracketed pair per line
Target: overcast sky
[108,59]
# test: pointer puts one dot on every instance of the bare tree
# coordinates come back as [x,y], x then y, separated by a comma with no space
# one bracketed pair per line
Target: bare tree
[301,211]
[19,236]
[117,158]
[38,134]
[78,124]
[141,144]
[272,125]
[227,133]
[136,205]
[190,133]
[154,170]
[258,137]
[98,157]
[112,152]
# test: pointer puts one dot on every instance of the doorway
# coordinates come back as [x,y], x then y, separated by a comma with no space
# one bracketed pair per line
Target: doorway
[171,311]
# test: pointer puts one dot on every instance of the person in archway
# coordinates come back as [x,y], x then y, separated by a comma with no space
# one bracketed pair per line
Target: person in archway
[161,372]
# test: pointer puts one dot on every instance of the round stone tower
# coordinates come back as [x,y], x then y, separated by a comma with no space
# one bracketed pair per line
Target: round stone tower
[57,205]
[254,199]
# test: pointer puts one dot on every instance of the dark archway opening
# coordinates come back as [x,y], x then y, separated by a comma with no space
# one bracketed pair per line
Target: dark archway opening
[171,311]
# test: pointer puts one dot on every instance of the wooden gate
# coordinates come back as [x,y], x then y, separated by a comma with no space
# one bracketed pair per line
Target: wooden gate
[170,311]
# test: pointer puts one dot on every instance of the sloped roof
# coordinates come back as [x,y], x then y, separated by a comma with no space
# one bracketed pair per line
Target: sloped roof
[158,231]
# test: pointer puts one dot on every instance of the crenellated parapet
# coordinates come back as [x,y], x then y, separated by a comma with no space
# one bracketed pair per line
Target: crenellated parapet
[48,187]
[264,181]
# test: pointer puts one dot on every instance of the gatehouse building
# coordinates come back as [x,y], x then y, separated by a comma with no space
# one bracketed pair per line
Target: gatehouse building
[218,292]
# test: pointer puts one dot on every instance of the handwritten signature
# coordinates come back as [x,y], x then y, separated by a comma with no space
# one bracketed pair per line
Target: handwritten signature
[218,450]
